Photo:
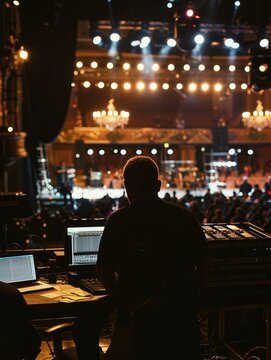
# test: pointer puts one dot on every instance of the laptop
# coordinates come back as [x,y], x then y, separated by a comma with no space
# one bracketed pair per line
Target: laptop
[82,241]
[20,271]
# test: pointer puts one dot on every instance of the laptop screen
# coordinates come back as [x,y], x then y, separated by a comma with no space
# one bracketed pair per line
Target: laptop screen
[17,268]
[82,241]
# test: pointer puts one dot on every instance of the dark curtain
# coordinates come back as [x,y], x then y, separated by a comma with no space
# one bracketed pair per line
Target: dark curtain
[48,31]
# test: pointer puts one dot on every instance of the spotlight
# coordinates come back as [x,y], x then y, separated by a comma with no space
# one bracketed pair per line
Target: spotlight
[145,41]
[97,40]
[264,43]
[171,42]
[186,28]
[114,37]
[189,13]
[199,39]
[237,3]
[260,65]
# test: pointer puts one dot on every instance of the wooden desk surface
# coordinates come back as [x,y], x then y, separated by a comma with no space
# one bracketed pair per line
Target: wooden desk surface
[51,303]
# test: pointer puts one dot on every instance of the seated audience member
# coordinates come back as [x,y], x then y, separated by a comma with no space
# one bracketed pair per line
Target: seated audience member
[153,259]
[19,339]
[245,187]
[257,193]
[218,217]
[267,189]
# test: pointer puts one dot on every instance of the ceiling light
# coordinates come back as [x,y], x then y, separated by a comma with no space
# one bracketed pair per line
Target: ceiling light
[111,119]
[259,119]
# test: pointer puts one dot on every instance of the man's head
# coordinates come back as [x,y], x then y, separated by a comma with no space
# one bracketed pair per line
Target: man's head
[140,174]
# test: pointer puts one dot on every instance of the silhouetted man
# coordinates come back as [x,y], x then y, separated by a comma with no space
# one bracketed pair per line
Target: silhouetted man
[152,253]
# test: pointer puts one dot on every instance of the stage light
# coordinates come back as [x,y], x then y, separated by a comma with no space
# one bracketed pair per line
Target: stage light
[199,39]
[114,37]
[247,68]
[201,67]
[229,42]
[232,68]
[155,67]
[169,5]
[123,152]
[165,86]
[138,152]
[126,66]
[100,84]
[153,86]
[109,65]
[140,67]
[114,85]
[79,64]
[97,40]
[154,151]
[192,87]
[145,41]
[186,28]
[86,84]
[264,43]
[244,86]
[179,86]
[216,68]
[93,64]
[260,65]
[186,67]
[235,45]
[237,3]
[101,152]
[171,67]
[90,152]
[171,42]
[127,86]
[232,86]
[218,87]
[135,43]
[189,13]
[140,85]
[205,87]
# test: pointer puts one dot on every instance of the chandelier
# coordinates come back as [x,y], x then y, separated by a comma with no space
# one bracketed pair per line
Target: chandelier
[259,119]
[111,119]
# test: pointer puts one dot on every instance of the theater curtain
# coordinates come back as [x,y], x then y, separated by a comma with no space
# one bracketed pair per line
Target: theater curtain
[48,31]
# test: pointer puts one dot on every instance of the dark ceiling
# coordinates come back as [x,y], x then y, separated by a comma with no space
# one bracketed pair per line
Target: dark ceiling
[250,21]
[253,12]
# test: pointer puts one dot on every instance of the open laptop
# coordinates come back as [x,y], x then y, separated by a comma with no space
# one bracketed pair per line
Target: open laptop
[20,270]
[82,241]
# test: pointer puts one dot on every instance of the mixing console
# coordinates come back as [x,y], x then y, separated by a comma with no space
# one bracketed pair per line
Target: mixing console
[242,252]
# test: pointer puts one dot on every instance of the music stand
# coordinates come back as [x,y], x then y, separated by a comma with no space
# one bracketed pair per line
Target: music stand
[12,206]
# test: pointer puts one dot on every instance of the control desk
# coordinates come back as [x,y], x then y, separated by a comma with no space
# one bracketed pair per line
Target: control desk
[241,252]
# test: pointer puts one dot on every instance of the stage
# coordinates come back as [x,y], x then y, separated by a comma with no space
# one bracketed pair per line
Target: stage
[94,193]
